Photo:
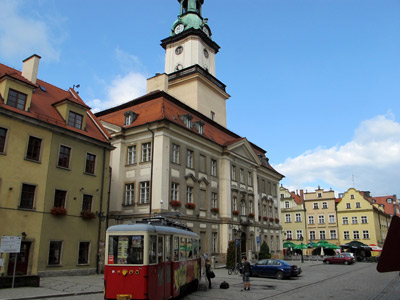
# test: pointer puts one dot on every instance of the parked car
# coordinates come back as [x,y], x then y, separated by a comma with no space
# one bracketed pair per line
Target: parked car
[274,268]
[339,259]
[350,254]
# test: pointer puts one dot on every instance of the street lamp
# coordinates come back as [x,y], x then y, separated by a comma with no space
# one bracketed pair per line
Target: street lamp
[237,232]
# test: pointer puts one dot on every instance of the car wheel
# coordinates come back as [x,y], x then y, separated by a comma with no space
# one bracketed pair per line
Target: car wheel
[327,262]
[279,275]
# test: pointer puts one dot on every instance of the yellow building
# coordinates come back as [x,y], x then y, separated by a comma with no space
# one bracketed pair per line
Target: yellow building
[321,216]
[361,219]
[293,216]
[54,175]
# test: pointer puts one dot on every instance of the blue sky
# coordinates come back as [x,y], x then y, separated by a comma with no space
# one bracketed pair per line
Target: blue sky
[313,82]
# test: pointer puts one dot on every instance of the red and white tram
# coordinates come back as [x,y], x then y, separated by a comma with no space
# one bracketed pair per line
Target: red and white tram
[152,259]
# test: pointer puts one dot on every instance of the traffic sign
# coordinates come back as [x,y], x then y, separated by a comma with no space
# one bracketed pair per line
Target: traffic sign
[258,239]
[10,244]
[237,242]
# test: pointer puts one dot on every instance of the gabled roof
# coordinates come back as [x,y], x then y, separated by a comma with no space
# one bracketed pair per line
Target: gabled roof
[43,105]
[159,105]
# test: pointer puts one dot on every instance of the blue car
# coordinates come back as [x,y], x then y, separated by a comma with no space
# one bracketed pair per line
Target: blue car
[274,268]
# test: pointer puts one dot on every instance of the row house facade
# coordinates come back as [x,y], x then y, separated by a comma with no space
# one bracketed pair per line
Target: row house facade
[54,158]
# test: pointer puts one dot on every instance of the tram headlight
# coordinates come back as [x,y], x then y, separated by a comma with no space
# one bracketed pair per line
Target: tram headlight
[137,272]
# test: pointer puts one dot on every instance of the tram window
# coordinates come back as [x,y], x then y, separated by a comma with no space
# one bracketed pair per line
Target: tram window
[168,248]
[195,248]
[190,248]
[160,249]
[182,248]
[152,249]
[125,249]
[176,248]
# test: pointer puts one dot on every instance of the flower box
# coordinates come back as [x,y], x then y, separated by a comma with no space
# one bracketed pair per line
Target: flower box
[265,218]
[235,212]
[87,215]
[175,203]
[58,211]
[276,220]
[215,210]
[251,215]
[190,205]
[271,219]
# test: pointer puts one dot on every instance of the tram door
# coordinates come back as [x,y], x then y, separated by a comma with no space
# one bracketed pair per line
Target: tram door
[168,267]
[161,269]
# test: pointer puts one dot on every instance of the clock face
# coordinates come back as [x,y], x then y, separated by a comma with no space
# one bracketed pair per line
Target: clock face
[179,28]
[206,31]
[178,50]
[205,53]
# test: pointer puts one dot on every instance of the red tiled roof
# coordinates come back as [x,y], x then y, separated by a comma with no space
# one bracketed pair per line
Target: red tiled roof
[42,105]
[157,106]
[389,209]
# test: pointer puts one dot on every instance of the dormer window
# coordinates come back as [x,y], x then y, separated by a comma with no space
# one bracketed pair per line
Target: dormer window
[199,126]
[75,120]
[16,99]
[187,120]
[389,200]
[130,117]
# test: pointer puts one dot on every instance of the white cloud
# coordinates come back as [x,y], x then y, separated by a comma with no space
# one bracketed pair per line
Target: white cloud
[121,89]
[22,35]
[371,159]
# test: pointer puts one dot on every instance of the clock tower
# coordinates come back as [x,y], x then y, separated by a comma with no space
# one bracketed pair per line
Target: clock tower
[190,63]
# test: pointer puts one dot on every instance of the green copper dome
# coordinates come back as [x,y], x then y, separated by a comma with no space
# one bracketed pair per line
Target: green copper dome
[190,17]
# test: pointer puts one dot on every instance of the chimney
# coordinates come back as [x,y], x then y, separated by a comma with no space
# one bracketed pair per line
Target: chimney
[30,68]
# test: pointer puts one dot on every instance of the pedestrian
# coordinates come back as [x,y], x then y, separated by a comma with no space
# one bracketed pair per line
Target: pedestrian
[246,274]
[208,272]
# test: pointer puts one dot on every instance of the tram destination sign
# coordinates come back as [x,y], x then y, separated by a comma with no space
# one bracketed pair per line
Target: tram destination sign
[10,244]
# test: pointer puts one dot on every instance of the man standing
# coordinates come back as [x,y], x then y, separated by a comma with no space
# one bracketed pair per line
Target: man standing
[246,273]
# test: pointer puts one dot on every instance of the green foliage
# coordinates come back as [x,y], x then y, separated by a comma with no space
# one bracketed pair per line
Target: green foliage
[264,251]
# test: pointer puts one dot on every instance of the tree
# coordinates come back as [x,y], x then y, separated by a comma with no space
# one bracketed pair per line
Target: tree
[264,251]
[230,256]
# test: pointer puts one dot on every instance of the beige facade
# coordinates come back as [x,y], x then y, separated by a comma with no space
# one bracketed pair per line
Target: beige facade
[321,216]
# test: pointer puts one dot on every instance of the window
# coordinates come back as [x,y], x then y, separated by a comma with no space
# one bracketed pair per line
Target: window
[241,176]
[364,220]
[16,99]
[174,191]
[346,235]
[322,235]
[75,120]
[214,242]
[144,192]
[358,205]
[175,153]
[146,152]
[389,200]
[250,206]
[233,173]
[214,200]
[3,136]
[126,249]
[348,205]
[324,205]
[153,249]
[189,194]
[354,220]
[249,179]
[310,219]
[333,234]
[83,258]
[287,204]
[299,234]
[87,202]
[27,196]
[345,220]
[356,234]
[130,117]
[321,219]
[312,235]
[64,156]
[59,198]
[332,219]
[288,218]
[90,163]
[131,155]
[201,127]
[213,167]
[243,207]
[319,195]
[55,253]
[298,217]
[33,151]
[315,205]
[129,193]
[212,115]
[365,234]
[289,235]
[189,159]
[352,197]
[235,203]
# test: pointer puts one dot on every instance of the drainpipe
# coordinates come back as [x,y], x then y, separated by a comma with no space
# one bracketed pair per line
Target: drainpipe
[100,215]
[151,168]
[108,194]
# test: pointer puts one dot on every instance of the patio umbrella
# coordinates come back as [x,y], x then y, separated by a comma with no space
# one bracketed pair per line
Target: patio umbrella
[321,243]
[357,245]
[375,247]
[301,246]
[288,244]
